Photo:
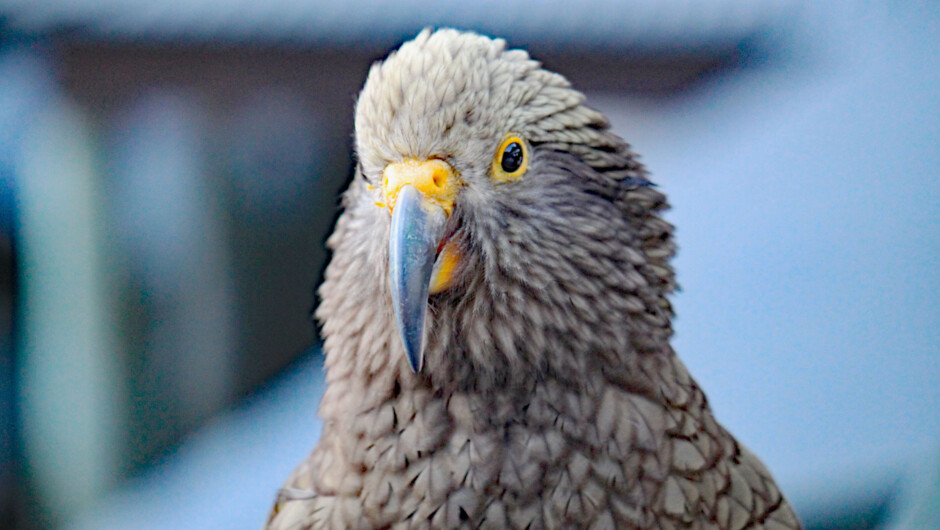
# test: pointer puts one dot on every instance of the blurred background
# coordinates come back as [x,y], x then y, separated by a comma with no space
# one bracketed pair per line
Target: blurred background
[169,171]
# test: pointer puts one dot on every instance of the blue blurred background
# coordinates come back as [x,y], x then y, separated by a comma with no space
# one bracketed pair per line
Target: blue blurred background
[169,171]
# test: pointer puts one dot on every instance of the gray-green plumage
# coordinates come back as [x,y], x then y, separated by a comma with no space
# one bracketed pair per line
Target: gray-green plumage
[549,396]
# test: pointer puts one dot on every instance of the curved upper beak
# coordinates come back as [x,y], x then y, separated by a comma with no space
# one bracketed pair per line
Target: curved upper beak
[421,196]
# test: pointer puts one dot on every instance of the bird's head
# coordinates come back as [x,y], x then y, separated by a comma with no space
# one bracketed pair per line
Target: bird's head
[496,217]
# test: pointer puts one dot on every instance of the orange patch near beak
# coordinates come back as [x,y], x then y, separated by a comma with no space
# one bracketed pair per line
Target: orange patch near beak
[442,277]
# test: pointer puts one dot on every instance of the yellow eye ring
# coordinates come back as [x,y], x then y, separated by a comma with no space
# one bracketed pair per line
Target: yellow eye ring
[511,158]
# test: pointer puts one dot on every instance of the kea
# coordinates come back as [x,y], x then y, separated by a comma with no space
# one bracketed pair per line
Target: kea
[496,320]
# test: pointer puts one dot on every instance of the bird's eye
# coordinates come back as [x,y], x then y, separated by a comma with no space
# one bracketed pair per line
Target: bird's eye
[511,158]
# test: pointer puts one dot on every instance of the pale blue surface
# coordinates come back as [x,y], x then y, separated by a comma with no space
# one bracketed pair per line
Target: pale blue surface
[227,474]
[652,24]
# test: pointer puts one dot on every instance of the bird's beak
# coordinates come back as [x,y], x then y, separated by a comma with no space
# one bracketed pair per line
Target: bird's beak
[421,196]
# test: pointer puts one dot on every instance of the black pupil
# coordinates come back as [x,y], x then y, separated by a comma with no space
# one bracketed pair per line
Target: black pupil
[512,157]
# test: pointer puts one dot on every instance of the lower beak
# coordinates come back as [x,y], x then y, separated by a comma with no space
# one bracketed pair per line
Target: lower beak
[417,229]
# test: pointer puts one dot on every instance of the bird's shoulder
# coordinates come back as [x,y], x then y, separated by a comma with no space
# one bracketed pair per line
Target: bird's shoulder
[641,450]
[706,474]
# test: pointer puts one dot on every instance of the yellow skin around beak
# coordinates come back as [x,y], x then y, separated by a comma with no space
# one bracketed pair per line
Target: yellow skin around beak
[420,196]
[437,181]
[434,178]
